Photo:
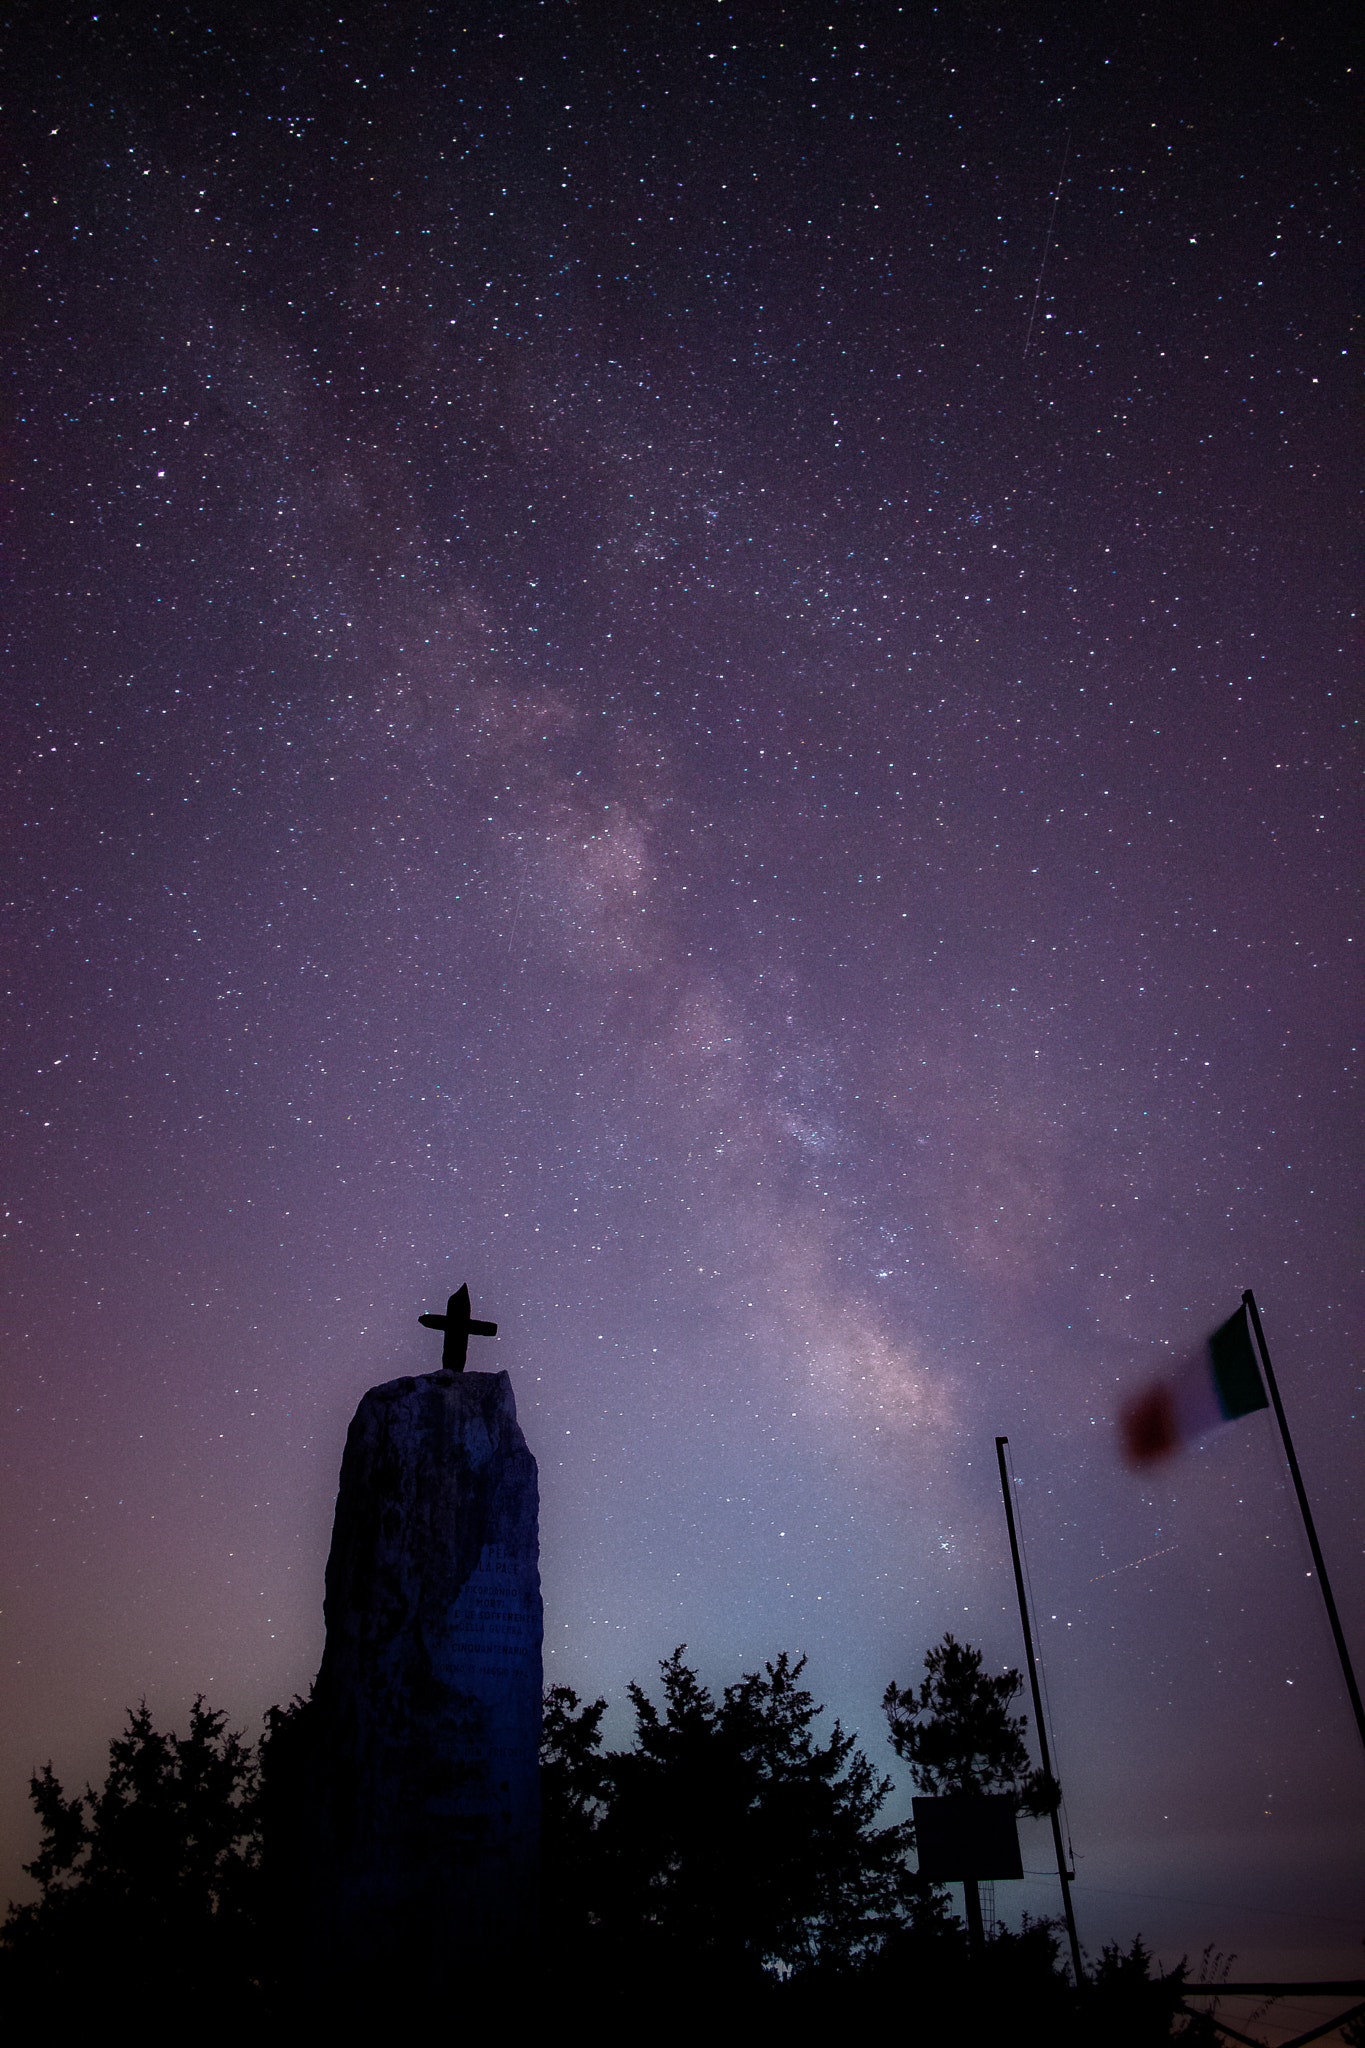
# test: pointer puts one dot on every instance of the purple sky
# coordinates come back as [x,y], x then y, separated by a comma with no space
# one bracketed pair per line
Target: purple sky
[628,686]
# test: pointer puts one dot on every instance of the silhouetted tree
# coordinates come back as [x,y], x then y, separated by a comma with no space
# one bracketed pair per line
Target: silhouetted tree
[1015,1988]
[727,1854]
[147,1887]
[728,1841]
[1010,1988]
[958,1735]
[1125,2006]
[572,1794]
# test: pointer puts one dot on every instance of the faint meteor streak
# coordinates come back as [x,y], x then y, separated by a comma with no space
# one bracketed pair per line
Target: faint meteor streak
[1134,1563]
[1047,244]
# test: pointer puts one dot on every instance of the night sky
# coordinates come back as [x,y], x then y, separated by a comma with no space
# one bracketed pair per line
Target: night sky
[696,666]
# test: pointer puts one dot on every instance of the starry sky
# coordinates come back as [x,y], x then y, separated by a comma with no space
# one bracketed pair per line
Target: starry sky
[695,664]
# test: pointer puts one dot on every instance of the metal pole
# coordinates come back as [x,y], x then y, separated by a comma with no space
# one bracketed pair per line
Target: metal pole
[1062,1873]
[1337,1636]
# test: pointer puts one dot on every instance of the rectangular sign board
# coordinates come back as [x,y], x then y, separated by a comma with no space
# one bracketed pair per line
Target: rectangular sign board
[967,1836]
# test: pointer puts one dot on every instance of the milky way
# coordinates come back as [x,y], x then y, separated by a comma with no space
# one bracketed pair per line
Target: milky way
[696,668]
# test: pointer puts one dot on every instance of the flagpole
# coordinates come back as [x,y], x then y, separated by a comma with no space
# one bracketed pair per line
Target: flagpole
[1000,1443]
[1337,1636]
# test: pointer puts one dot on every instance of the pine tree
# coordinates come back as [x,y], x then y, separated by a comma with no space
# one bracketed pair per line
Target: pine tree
[958,1735]
[729,1845]
[148,1886]
[959,1738]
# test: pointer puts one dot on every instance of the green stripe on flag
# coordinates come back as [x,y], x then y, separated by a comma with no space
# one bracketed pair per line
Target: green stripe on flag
[1236,1374]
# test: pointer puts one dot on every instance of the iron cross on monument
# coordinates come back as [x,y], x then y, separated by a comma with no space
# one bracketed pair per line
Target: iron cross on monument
[459,1327]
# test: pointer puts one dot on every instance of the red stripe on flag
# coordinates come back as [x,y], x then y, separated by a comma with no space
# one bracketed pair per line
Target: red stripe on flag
[1149,1427]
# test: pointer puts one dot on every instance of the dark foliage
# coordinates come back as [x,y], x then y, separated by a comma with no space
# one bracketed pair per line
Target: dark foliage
[573,1793]
[286,1766]
[1011,1986]
[147,1887]
[727,1842]
[930,1980]
[728,1862]
[958,1735]
[1124,2004]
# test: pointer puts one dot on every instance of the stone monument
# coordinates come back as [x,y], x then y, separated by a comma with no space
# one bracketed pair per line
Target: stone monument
[425,1718]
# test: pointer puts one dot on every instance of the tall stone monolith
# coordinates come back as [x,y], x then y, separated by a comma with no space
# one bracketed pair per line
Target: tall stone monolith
[426,1711]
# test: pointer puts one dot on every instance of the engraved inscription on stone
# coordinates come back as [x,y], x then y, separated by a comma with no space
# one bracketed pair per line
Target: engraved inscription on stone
[495,1628]
[495,1607]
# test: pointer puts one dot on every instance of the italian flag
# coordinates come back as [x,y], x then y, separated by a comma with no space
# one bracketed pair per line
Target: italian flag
[1221,1381]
